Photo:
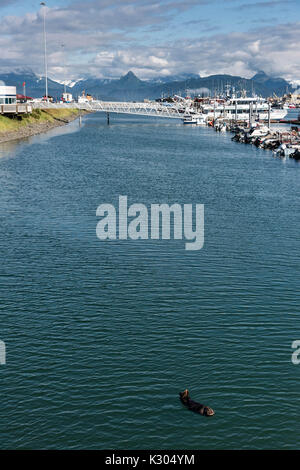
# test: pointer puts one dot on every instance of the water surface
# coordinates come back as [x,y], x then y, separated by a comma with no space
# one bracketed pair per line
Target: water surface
[101,336]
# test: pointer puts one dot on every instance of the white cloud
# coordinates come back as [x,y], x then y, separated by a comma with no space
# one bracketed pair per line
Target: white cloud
[104,39]
[254,47]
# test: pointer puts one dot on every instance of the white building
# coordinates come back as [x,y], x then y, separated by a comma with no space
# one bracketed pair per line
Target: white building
[8,95]
[8,101]
[67,97]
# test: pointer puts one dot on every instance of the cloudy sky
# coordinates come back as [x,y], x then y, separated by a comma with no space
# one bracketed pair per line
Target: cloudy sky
[106,38]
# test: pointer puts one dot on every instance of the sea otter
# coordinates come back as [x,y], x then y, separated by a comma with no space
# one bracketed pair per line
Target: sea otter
[194,406]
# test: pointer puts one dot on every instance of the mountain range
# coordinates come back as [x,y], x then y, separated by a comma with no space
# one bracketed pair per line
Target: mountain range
[130,88]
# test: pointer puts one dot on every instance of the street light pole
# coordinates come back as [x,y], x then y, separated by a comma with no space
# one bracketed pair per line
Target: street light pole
[43,4]
[64,65]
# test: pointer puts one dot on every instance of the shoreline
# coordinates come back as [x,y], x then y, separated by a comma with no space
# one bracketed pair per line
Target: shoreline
[30,129]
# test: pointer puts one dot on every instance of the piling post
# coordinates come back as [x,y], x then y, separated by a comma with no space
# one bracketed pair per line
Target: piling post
[249,120]
[107,115]
[269,116]
[250,114]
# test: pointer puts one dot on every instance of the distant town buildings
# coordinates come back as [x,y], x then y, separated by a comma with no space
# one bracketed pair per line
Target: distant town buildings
[295,97]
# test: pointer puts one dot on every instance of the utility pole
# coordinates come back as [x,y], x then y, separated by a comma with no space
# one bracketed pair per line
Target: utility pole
[64,66]
[43,4]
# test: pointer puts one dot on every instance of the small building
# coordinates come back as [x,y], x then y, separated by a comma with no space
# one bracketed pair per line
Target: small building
[9,104]
[84,98]
[23,99]
[67,98]
[48,99]
[8,94]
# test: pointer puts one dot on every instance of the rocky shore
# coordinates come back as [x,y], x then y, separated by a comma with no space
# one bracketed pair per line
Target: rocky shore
[37,123]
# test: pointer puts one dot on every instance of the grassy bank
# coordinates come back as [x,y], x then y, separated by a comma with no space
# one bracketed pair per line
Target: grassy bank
[15,123]
[39,121]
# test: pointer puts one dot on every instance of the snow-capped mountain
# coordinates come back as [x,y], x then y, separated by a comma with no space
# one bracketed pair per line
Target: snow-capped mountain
[129,87]
[70,83]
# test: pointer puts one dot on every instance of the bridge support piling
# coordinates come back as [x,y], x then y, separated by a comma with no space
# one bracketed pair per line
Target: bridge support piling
[107,115]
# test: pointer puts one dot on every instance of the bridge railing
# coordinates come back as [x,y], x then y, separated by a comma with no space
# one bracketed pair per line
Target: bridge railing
[144,109]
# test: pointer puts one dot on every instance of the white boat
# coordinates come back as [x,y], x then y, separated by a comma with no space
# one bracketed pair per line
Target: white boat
[258,131]
[242,109]
[220,126]
[194,118]
[285,150]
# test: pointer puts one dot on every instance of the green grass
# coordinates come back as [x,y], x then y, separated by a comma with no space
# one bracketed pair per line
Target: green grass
[11,124]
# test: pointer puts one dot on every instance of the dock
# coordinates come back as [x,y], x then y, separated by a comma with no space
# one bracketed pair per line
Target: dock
[290,121]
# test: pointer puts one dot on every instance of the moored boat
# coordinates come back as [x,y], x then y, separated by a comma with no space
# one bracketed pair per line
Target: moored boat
[244,109]
[194,118]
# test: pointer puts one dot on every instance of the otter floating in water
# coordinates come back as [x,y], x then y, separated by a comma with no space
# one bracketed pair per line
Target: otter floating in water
[194,406]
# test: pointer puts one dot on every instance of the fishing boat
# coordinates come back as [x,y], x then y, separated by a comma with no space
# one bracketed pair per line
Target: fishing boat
[258,131]
[194,118]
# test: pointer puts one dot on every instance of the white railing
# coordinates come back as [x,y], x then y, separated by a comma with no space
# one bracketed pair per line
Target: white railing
[18,108]
[143,109]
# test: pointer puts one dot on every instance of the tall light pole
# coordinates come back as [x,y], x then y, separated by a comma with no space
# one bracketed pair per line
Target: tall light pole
[43,4]
[64,65]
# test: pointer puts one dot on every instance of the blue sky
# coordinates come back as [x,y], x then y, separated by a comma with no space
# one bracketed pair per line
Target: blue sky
[107,38]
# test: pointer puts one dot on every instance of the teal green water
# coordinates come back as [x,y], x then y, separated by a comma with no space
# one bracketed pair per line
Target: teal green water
[101,336]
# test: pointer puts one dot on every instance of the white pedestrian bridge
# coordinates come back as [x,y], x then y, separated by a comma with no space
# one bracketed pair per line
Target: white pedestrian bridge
[143,109]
